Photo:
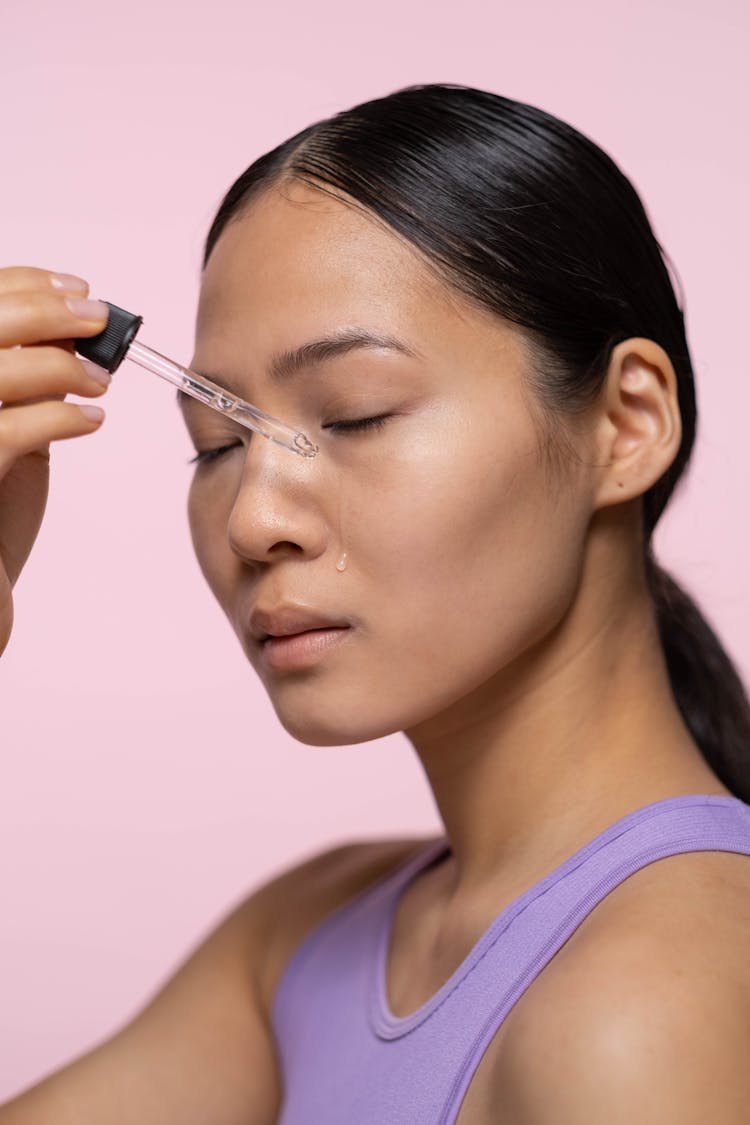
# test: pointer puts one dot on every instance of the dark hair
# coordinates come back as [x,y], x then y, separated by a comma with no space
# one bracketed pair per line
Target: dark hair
[530,219]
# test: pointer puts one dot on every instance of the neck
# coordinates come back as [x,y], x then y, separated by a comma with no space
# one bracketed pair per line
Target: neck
[573,735]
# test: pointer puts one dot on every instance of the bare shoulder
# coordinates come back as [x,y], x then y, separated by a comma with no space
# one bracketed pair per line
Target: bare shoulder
[201,1049]
[644,1014]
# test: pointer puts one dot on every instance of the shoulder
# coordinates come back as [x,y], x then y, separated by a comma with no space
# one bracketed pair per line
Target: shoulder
[201,1048]
[644,1014]
[280,914]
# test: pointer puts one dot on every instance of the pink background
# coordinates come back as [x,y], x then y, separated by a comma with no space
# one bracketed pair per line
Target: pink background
[146,782]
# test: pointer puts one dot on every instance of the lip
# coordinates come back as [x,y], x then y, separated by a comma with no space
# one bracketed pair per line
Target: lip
[298,650]
[289,619]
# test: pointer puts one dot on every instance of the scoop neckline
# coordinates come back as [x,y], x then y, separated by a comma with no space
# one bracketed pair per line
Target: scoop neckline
[383,1021]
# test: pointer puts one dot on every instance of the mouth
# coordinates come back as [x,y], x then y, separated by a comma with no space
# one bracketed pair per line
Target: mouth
[290,619]
[298,650]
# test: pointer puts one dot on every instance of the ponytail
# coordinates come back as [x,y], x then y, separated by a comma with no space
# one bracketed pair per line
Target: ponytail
[706,685]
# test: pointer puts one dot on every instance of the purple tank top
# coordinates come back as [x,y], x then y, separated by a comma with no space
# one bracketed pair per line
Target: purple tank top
[346,1058]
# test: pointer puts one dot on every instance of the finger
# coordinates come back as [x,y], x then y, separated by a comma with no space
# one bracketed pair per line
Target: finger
[24,429]
[27,373]
[20,279]
[31,317]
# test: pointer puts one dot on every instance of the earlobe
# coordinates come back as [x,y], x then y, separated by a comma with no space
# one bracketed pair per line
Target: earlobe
[639,428]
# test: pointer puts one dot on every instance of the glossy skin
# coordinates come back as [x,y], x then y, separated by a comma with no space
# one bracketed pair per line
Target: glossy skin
[500,619]
[498,608]
[459,554]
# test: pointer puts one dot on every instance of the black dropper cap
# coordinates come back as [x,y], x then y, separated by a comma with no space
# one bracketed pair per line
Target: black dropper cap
[108,348]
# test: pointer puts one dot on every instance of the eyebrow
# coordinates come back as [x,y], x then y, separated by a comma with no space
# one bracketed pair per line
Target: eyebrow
[286,365]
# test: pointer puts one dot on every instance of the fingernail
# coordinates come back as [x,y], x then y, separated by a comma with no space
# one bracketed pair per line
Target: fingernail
[87,310]
[93,413]
[94,371]
[69,282]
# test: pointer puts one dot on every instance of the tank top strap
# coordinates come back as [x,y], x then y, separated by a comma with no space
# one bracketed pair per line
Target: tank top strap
[531,930]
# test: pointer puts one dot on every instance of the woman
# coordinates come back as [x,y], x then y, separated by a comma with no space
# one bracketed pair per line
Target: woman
[460,300]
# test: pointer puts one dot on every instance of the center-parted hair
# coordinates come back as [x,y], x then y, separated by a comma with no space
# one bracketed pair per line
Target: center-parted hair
[529,219]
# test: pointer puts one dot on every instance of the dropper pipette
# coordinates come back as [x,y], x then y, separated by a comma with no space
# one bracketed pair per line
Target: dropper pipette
[117,342]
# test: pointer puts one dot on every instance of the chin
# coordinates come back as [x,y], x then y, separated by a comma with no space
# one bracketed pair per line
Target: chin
[325,731]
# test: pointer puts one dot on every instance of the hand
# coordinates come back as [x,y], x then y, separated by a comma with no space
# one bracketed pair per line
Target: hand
[38,368]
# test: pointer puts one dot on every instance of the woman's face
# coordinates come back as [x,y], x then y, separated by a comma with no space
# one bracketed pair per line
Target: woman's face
[459,554]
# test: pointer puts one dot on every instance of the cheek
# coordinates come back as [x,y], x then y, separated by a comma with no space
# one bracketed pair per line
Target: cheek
[473,559]
[442,513]
[207,517]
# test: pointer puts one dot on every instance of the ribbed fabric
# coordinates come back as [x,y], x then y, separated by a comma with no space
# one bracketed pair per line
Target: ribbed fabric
[347,1059]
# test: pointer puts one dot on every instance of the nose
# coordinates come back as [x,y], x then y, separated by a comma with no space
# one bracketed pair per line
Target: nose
[277,507]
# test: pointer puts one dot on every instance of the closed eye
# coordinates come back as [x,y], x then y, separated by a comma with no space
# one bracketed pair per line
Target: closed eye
[359,424]
[207,455]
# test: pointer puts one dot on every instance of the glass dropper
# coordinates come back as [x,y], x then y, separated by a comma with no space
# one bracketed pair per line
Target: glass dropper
[117,342]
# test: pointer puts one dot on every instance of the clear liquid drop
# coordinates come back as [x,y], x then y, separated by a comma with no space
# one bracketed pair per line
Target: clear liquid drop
[341,564]
[304,446]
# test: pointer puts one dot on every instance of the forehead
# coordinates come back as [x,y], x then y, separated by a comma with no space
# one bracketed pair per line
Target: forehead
[299,264]
[298,260]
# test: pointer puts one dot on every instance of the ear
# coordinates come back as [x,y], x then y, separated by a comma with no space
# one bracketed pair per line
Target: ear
[639,429]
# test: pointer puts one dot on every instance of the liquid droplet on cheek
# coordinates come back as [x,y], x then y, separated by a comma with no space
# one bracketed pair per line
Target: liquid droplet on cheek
[341,564]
